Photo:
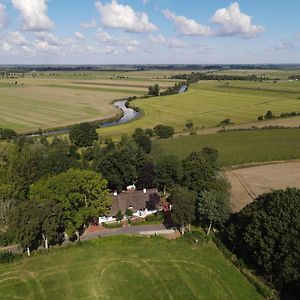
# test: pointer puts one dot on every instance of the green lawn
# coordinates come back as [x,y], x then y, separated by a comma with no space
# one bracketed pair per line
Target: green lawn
[237,147]
[209,102]
[126,268]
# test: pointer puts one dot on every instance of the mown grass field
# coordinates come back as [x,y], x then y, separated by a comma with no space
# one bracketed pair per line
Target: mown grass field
[207,103]
[126,268]
[41,102]
[237,147]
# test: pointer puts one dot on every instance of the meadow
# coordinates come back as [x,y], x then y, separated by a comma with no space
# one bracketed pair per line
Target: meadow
[50,100]
[207,103]
[126,268]
[236,147]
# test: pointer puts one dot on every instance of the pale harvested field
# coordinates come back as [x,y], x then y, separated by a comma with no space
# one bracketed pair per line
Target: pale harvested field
[36,103]
[26,108]
[248,183]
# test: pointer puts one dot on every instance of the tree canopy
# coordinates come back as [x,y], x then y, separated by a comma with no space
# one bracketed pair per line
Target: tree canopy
[266,233]
[82,193]
[83,134]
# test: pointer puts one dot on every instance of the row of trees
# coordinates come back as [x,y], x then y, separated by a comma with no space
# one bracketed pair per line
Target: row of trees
[196,76]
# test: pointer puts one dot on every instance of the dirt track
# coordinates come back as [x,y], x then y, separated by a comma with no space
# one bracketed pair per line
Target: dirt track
[248,183]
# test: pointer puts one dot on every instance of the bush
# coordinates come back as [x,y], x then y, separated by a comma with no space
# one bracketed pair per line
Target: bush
[112,225]
[269,115]
[150,218]
[7,134]
[137,222]
[7,257]
[163,131]
[195,238]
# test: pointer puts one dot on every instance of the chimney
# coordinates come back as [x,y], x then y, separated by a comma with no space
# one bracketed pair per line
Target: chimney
[145,191]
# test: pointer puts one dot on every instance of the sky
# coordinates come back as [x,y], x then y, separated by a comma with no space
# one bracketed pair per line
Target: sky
[149,31]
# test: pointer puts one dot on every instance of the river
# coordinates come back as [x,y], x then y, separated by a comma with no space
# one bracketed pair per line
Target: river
[129,114]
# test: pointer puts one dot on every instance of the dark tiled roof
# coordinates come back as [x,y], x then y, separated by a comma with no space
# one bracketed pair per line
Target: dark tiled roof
[136,199]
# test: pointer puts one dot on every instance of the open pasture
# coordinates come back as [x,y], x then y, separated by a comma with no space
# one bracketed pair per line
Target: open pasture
[209,102]
[237,147]
[126,268]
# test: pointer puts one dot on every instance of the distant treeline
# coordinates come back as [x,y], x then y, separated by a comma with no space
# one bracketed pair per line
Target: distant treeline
[195,77]
[28,68]
[294,77]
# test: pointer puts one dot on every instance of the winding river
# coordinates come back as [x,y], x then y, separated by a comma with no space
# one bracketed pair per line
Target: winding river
[129,114]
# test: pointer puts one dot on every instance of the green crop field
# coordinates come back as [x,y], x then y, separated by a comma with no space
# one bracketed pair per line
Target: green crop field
[237,147]
[207,103]
[126,268]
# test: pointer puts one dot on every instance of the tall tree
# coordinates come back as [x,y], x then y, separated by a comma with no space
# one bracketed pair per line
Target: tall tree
[183,208]
[198,172]
[82,193]
[213,205]
[7,201]
[168,172]
[83,135]
[25,225]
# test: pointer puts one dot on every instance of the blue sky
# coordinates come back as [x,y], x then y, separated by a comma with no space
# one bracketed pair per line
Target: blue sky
[149,31]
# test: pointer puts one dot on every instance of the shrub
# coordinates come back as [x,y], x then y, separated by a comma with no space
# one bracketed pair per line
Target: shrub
[163,131]
[137,222]
[150,218]
[7,134]
[7,257]
[269,115]
[112,225]
[195,238]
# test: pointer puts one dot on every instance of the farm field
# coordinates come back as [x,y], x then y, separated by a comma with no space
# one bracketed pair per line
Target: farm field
[248,183]
[282,73]
[126,268]
[237,147]
[40,102]
[207,103]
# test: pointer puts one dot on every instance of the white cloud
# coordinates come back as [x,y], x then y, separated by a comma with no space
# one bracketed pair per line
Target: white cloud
[235,23]
[34,14]
[284,44]
[159,39]
[26,49]
[115,45]
[170,42]
[79,36]
[89,24]
[44,46]
[103,37]
[2,15]
[5,47]
[48,37]
[176,43]
[115,15]
[17,38]
[187,26]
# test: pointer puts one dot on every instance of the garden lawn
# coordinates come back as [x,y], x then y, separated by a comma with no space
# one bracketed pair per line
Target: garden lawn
[126,268]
